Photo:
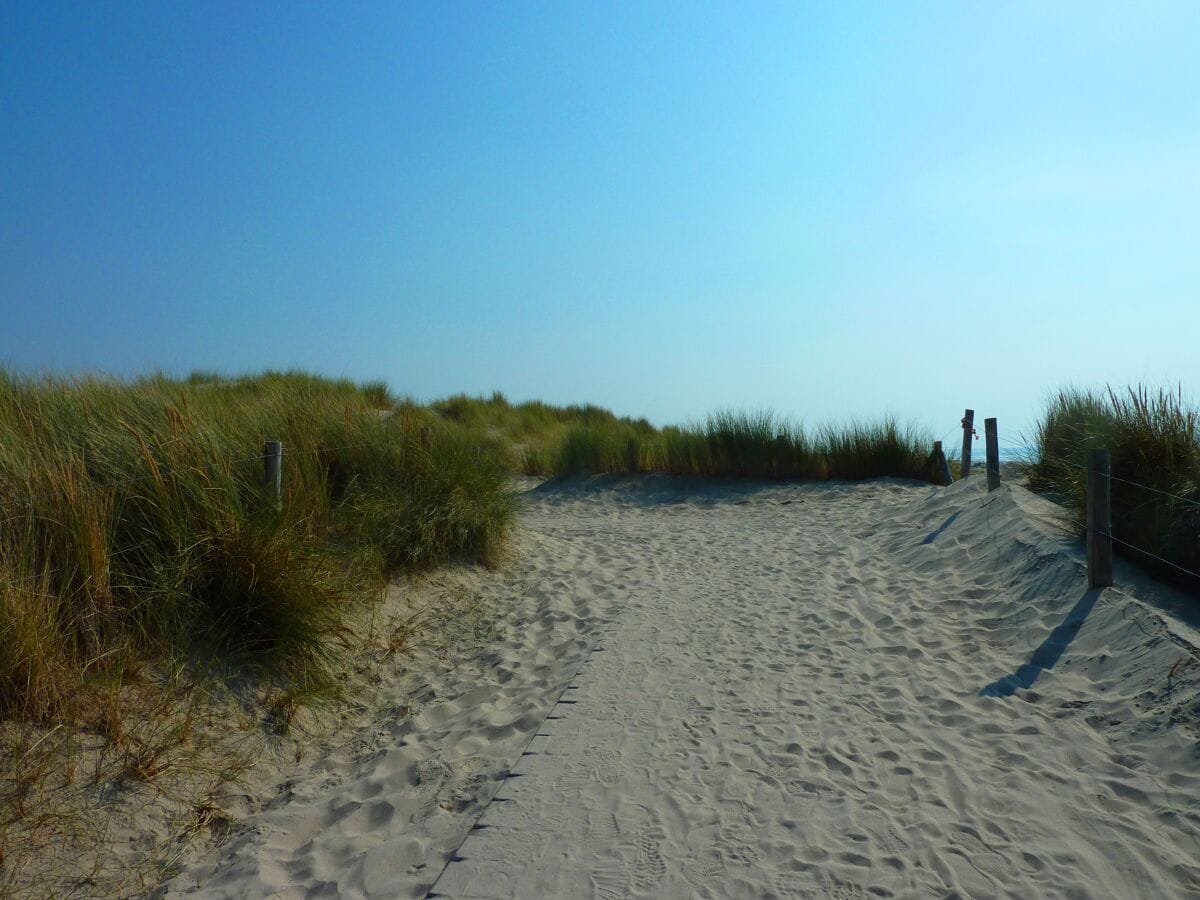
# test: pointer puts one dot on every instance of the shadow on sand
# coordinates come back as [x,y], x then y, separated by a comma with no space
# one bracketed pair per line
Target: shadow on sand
[1051,649]
[933,535]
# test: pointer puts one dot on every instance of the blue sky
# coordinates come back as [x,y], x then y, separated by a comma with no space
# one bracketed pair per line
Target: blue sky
[831,209]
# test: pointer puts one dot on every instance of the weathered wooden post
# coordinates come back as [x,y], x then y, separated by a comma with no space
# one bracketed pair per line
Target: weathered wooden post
[992,445]
[941,468]
[968,426]
[631,456]
[1099,519]
[273,471]
[426,436]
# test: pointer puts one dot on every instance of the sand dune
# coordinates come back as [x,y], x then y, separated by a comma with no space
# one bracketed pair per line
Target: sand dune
[755,690]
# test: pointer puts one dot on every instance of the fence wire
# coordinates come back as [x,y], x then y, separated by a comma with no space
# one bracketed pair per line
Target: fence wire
[1142,550]
[1072,521]
[1154,556]
[1154,489]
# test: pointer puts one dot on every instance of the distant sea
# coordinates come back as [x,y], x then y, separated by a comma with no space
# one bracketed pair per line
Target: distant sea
[1007,454]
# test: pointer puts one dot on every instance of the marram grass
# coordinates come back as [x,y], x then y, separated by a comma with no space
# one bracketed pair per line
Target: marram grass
[749,445]
[533,433]
[1154,441]
[134,523]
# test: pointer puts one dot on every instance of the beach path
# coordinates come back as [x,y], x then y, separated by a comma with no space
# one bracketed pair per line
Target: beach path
[715,690]
[878,689]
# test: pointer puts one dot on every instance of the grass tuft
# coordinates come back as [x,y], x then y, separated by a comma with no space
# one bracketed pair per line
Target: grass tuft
[1154,441]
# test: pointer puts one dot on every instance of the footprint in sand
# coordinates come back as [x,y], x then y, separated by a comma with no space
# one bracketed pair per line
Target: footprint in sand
[732,809]
[796,884]
[648,866]
[607,773]
[737,845]
[646,715]
[430,775]
[636,672]
[835,888]
[610,883]
[804,790]
[573,778]
[704,868]
[985,860]
[603,827]
[883,834]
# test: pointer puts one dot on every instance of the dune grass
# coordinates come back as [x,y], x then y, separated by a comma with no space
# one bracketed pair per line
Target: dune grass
[1154,441]
[534,433]
[134,524]
[556,441]
[748,445]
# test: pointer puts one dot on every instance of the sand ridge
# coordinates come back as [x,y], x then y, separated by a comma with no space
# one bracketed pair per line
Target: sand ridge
[724,690]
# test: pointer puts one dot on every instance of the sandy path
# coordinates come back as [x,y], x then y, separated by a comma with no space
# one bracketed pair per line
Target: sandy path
[751,690]
[803,693]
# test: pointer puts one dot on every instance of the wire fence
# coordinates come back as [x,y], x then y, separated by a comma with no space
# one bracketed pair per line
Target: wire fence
[1153,556]
[1149,554]
[1028,453]
[1082,524]
[1155,490]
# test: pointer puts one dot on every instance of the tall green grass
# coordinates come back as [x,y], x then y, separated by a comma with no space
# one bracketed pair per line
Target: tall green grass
[537,435]
[749,445]
[1154,441]
[134,523]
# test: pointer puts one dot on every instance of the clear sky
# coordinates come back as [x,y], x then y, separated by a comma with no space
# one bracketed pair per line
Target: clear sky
[832,209]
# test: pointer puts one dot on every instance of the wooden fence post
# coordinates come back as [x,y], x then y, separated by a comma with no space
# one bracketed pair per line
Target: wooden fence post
[1099,519]
[968,426]
[273,470]
[426,437]
[631,456]
[941,468]
[992,442]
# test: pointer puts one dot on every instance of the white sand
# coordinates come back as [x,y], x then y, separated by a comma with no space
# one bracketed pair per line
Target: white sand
[880,689]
